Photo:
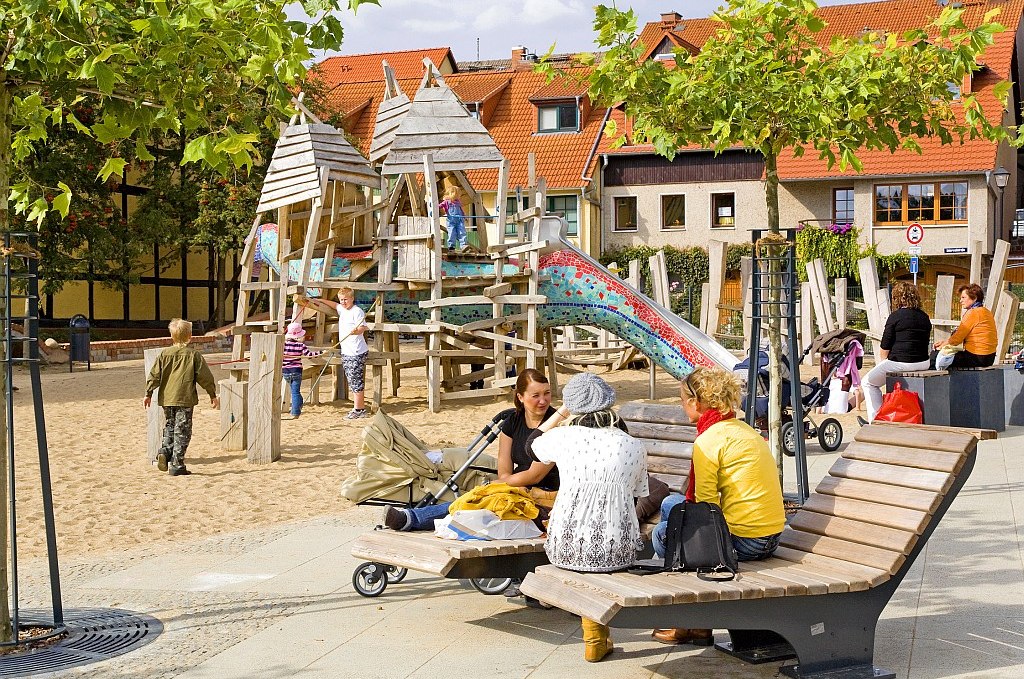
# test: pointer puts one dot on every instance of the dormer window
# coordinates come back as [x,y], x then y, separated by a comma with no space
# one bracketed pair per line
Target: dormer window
[561,117]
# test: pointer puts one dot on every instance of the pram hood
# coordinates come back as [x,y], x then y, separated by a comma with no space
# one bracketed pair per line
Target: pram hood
[837,341]
[392,458]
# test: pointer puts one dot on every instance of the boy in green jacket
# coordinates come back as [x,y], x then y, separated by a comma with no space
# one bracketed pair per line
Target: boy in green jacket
[176,373]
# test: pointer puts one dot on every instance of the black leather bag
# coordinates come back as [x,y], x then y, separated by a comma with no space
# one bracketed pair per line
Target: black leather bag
[697,539]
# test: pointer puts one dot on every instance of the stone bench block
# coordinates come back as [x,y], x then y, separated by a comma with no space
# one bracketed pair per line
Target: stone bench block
[1013,395]
[931,386]
[977,398]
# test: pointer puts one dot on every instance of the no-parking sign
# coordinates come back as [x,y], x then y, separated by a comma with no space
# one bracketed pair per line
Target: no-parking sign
[915,233]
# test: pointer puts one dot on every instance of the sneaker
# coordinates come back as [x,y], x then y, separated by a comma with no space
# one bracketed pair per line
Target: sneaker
[395,518]
[861,421]
[513,589]
[179,471]
[161,462]
[357,414]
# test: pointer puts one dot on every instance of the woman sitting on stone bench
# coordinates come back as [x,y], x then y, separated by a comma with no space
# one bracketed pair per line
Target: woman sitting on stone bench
[904,343]
[977,333]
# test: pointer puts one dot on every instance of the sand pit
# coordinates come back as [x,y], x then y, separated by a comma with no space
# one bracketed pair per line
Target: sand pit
[108,497]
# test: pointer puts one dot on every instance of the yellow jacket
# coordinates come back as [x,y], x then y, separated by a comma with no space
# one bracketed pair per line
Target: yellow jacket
[508,502]
[734,469]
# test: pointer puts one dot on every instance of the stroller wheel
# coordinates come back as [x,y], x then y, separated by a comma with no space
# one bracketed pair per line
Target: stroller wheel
[396,573]
[370,579]
[490,586]
[789,439]
[830,434]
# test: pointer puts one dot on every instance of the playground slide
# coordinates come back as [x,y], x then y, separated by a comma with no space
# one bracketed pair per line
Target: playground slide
[580,291]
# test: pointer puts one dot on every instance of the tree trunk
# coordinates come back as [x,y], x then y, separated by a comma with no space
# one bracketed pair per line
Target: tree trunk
[774,315]
[6,633]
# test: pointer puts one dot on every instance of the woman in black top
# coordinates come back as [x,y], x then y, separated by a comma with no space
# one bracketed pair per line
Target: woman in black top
[533,405]
[905,343]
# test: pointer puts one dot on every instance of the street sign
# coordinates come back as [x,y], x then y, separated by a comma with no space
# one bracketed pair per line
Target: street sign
[915,234]
[914,250]
[955,251]
[914,265]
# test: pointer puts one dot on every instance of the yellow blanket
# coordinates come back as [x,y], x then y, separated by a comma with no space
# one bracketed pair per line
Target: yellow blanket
[504,500]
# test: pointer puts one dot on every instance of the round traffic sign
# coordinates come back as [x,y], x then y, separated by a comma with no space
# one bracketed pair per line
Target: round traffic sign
[915,234]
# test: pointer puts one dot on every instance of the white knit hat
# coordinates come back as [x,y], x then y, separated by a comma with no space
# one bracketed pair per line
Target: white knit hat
[587,393]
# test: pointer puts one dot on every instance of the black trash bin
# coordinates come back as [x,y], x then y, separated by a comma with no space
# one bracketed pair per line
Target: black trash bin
[79,341]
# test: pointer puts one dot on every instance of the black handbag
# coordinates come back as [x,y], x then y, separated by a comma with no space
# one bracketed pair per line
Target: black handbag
[697,539]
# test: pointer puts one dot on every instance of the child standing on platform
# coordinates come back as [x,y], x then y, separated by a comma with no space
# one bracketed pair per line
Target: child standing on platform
[351,326]
[176,373]
[291,364]
[452,207]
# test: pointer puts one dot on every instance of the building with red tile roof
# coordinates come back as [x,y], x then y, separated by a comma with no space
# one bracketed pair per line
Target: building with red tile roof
[554,123]
[646,199]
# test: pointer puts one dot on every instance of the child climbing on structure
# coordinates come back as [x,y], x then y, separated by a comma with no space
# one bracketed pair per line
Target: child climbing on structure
[291,363]
[452,207]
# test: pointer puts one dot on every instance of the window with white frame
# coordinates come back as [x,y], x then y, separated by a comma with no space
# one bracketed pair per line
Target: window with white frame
[625,214]
[723,210]
[558,118]
[842,206]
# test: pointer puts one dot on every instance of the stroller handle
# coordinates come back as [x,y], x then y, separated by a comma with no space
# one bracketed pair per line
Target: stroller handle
[503,415]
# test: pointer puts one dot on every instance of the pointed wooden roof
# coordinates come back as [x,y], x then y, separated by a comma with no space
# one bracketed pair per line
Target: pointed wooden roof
[301,152]
[392,109]
[439,124]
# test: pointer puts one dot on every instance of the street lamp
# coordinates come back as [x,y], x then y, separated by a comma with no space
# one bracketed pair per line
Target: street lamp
[1002,176]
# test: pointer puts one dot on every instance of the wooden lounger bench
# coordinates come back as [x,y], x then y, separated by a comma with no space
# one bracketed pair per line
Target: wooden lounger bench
[840,560]
[666,433]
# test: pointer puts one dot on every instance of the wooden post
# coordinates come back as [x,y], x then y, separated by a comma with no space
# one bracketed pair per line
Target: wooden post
[746,276]
[976,262]
[154,414]
[437,292]
[263,424]
[876,318]
[716,263]
[997,273]
[1006,317]
[842,308]
[806,316]
[943,306]
[705,295]
[232,414]
[549,344]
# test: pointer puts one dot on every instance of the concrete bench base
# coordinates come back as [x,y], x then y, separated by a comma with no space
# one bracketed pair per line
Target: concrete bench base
[1013,395]
[968,397]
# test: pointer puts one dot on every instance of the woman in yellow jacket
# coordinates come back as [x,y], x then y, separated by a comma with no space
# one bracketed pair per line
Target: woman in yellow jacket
[733,468]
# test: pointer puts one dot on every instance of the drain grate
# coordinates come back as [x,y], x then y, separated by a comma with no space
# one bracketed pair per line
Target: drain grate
[94,634]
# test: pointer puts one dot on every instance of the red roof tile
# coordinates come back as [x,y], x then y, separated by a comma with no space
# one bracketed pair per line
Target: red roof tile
[560,157]
[366,67]
[892,16]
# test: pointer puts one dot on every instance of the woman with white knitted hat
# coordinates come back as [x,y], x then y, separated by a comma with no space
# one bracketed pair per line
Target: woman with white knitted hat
[593,526]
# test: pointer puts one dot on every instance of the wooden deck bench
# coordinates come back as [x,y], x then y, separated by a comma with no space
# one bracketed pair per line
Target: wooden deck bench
[841,559]
[665,431]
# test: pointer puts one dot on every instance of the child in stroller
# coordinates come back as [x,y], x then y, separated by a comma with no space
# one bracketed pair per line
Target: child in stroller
[839,350]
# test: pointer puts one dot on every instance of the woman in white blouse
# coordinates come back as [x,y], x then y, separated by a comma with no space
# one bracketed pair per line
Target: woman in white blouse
[593,526]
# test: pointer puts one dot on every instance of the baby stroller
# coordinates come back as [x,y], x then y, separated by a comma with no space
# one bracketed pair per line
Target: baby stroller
[395,468]
[815,393]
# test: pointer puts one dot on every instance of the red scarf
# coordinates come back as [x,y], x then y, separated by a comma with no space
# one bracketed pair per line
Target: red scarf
[710,417]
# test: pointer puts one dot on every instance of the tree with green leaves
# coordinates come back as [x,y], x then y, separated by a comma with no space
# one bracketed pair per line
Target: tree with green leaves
[762,81]
[154,68]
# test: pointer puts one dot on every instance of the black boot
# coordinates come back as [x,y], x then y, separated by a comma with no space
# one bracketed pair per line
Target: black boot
[177,467]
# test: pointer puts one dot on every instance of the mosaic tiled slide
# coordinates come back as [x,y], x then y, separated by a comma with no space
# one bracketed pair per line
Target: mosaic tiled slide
[580,291]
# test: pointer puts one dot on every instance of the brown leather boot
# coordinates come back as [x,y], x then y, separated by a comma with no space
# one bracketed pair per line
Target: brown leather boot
[596,642]
[681,635]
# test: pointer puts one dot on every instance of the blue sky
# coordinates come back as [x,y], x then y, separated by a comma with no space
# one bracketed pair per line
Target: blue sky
[500,25]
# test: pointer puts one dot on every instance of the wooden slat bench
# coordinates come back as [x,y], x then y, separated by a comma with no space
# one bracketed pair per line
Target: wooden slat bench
[666,433]
[840,560]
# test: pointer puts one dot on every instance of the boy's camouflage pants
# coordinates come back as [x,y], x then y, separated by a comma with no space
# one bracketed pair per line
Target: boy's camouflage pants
[177,434]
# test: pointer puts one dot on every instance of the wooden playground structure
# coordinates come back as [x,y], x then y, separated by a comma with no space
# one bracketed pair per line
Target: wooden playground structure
[375,226]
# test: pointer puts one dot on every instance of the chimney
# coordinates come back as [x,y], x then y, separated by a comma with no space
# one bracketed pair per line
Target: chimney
[670,19]
[522,59]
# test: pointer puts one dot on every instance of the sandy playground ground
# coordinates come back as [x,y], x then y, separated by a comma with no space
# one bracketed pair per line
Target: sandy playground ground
[107,496]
